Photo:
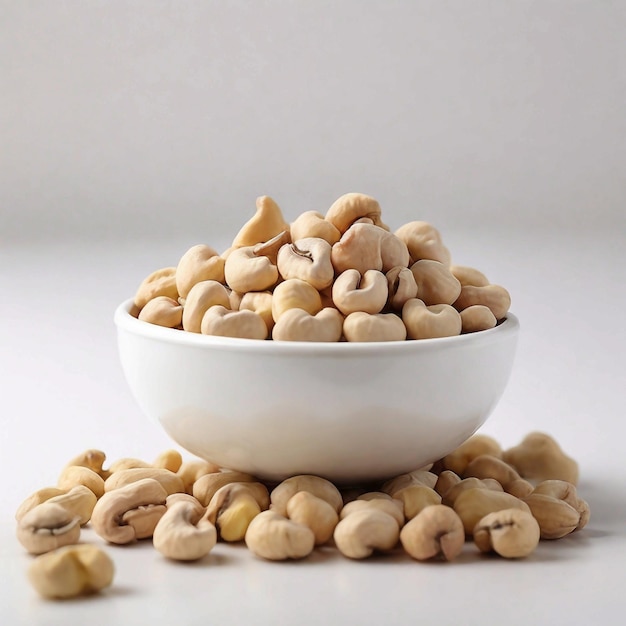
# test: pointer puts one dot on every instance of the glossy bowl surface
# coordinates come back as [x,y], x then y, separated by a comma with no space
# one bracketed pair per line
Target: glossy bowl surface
[351,412]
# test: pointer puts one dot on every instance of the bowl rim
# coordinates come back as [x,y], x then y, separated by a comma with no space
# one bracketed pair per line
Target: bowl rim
[124,320]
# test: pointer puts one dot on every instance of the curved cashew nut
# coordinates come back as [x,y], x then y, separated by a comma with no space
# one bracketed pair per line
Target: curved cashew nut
[184,533]
[562,490]
[38,497]
[362,326]
[316,485]
[48,526]
[435,282]
[450,496]
[314,224]
[416,477]
[476,445]
[487,466]
[73,475]
[271,247]
[350,207]
[79,501]
[556,518]
[352,292]
[307,259]
[190,471]
[392,507]
[267,222]
[274,537]
[162,311]
[93,459]
[401,286]
[201,297]
[108,515]
[315,513]
[495,297]
[361,533]
[416,498]
[295,294]
[428,322]
[299,325]
[259,302]
[198,264]
[170,460]
[160,283]
[168,480]
[246,271]
[469,276]
[223,322]
[206,486]
[423,241]
[477,317]
[511,533]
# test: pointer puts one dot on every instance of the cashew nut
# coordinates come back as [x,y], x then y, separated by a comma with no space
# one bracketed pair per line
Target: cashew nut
[401,287]
[223,322]
[47,527]
[387,505]
[476,318]
[436,531]
[316,485]
[201,297]
[494,297]
[562,490]
[416,477]
[362,532]
[295,294]
[424,242]
[271,247]
[556,518]
[314,224]
[170,481]
[160,283]
[362,326]
[428,322]
[38,497]
[272,536]
[190,471]
[299,325]
[73,475]
[266,223]
[416,498]
[259,302]
[315,513]
[354,292]
[350,207]
[435,282]
[511,533]
[445,481]
[198,264]
[205,487]
[469,276]
[475,446]
[171,460]
[93,459]
[162,311]
[450,496]
[487,466]
[79,501]
[307,259]
[246,271]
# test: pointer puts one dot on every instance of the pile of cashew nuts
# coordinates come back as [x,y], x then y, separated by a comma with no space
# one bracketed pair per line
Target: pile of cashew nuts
[343,276]
[504,501]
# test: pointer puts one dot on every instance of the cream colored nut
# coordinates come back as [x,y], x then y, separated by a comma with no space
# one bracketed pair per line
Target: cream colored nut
[487,466]
[511,533]
[445,481]
[472,482]
[295,294]
[298,325]
[350,207]
[317,514]
[539,457]
[476,445]
[201,297]
[198,264]
[416,498]
[362,326]
[71,571]
[222,322]
[416,477]
[205,486]
[36,498]
[435,532]
[185,497]
[160,283]
[47,527]
[79,501]
[428,322]
[235,298]
[274,537]
[361,533]
[473,504]
[259,302]
[314,224]
[562,490]
[495,297]
[170,481]
[556,517]
[110,518]
[401,286]
[234,506]
[390,506]
[184,533]
[73,475]
[162,311]
[267,222]
[469,276]
[127,462]
[307,259]
[373,495]
[316,485]
[271,247]
[144,520]
[93,459]
[245,271]
[476,318]
[520,488]
[424,242]
[368,247]
[352,292]
[170,460]
[190,471]
[435,282]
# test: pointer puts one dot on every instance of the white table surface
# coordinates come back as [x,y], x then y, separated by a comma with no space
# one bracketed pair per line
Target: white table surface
[62,391]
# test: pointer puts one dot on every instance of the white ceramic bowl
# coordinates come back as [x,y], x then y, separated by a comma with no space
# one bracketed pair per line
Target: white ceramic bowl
[351,412]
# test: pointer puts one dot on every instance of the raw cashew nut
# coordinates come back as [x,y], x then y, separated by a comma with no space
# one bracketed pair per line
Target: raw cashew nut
[494,297]
[428,322]
[168,480]
[259,302]
[160,283]
[556,517]
[141,502]
[307,259]
[171,460]
[271,247]
[469,276]
[350,207]
[519,488]
[201,297]
[71,571]
[295,294]
[198,264]
[435,532]
[267,222]
[387,505]
[416,498]
[539,457]
[362,326]
[562,490]
[487,466]
[162,311]
[314,224]
[476,445]
[73,475]
[445,481]
[450,496]
[316,485]
[361,533]
[223,322]
[315,513]
[354,292]
[246,271]
[435,282]
[40,496]
[190,471]
[93,459]
[401,287]
[47,527]
[274,537]
[416,477]
[79,501]
[424,242]
[511,533]
[298,325]
[184,533]
[476,318]
[206,486]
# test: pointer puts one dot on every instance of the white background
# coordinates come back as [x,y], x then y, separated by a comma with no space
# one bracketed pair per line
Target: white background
[131,131]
